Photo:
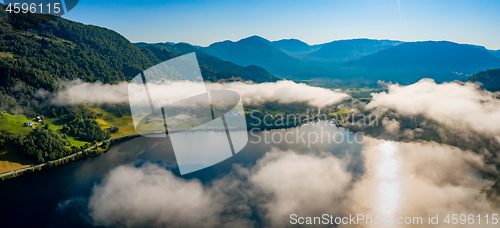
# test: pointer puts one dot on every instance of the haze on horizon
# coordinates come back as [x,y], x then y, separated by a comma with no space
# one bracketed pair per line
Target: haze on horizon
[205,22]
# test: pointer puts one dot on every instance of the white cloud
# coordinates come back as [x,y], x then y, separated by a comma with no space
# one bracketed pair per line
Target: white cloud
[391,126]
[399,179]
[456,105]
[418,179]
[308,185]
[284,92]
[153,196]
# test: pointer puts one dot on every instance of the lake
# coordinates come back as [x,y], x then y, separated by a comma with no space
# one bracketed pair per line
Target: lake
[35,199]
[330,171]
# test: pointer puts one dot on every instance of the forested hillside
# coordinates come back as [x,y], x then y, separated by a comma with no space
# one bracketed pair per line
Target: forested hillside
[61,50]
[490,79]
[212,67]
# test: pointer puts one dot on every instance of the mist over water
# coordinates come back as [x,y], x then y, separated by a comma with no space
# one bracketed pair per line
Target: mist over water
[283,92]
[136,184]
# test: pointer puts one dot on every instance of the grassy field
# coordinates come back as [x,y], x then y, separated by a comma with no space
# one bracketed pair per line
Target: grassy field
[57,125]
[6,55]
[274,113]
[54,124]
[11,160]
[360,93]
[124,123]
[359,90]
[342,110]
[76,142]
[14,123]
[368,99]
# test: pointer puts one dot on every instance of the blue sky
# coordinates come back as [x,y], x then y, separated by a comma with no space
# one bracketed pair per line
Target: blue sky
[205,22]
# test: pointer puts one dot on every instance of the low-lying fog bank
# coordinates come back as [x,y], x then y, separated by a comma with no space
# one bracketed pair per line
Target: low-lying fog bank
[400,179]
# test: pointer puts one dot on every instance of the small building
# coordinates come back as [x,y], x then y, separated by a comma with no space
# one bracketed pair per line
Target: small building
[28,124]
[39,119]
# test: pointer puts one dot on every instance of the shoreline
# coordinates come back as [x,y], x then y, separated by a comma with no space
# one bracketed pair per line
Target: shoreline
[61,161]
[84,154]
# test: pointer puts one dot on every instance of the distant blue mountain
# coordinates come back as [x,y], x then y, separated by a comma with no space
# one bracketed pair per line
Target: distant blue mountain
[213,68]
[495,53]
[255,50]
[429,54]
[172,43]
[345,50]
[408,62]
[288,57]
[291,45]
[295,48]
[359,59]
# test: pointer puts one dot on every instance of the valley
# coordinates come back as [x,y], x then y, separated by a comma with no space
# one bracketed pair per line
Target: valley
[103,129]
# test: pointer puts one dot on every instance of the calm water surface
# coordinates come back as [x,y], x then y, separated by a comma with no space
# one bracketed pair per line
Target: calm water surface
[41,199]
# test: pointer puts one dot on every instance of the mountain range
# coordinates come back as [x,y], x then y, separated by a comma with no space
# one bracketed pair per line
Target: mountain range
[442,61]
[359,59]
[56,49]
[345,50]
[255,50]
[248,73]
[62,49]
